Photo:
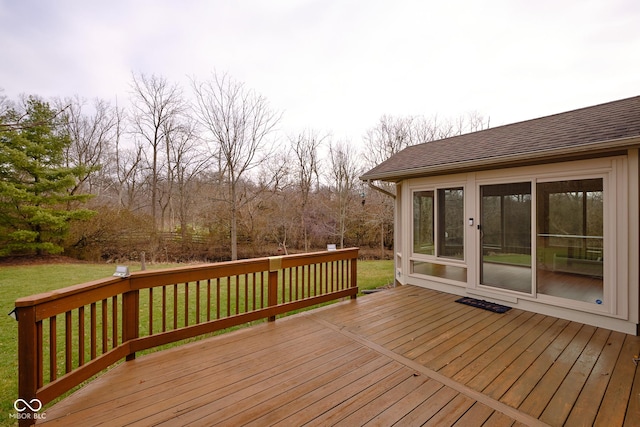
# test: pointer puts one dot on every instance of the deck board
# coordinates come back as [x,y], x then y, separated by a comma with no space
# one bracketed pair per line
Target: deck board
[516,369]
[405,356]
[586,405]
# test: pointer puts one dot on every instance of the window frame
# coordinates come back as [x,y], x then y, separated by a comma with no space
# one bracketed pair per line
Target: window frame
[438,223]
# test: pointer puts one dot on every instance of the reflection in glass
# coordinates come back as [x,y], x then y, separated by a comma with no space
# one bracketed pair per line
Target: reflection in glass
[439,270]
[451,223]
[570,239]
[423,236]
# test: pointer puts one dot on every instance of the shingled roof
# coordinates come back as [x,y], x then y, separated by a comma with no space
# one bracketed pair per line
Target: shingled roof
[585,132]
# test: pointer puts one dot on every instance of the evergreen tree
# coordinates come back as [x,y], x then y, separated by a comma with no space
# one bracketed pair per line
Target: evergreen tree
[36,206]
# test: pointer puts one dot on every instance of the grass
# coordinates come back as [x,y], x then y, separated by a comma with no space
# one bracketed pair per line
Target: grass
[20,281]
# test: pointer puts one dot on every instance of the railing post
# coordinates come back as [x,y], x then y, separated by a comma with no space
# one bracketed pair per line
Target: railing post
[29,363]
[354,276]
[130,318]
[275,264]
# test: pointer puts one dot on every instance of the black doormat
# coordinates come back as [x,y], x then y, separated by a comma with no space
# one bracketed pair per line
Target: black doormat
[486,305]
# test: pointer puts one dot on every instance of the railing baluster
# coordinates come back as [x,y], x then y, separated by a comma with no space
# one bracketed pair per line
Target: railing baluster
[246,293]
[114,320]
[263,290]
[94,332]
[164,309]
[217,298]
[298,287]
[197,302]
[290,285]
[150,311]
[345,270]
[253,284]
[208,300]
[237,280]
[104,326]
[175,306]
[327,278]
[284,288]
[228,296]
[81,336]
[53,349]
[315,279]
[68,348]
[39,360]
[186,304]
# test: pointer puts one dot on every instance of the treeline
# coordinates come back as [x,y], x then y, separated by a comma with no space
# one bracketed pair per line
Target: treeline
[197,174]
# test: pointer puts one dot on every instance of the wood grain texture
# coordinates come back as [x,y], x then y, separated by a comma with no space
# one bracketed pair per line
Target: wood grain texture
[406,356]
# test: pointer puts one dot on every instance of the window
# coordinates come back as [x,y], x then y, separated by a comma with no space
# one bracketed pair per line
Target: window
[423,240]
[451,223]
[448,236]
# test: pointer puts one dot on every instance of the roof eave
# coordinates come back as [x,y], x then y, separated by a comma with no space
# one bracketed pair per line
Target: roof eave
[557,154]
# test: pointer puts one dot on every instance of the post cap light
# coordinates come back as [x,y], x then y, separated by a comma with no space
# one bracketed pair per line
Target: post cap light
[122,271]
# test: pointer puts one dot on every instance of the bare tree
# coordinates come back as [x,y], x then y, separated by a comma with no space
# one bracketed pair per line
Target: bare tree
[393,134]
[271,215]
[477,121]
[92,136]
[127,161]
[344,172]
[5,103]
[188,162]
[305,147]
[239,122]
[389,136]
[155,103]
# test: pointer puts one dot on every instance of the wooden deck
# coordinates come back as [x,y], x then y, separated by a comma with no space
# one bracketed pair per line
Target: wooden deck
[404,356]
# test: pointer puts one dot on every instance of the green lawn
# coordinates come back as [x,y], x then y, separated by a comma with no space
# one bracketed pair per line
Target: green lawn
[20,281]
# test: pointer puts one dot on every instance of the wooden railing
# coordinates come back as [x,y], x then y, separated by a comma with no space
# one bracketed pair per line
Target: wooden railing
[67,336]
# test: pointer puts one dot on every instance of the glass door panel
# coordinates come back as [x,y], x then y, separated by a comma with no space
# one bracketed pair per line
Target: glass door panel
[505,231]
[570,233]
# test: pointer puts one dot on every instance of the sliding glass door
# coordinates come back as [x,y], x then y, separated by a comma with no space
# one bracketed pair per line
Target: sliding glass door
[505,236]
[570,239]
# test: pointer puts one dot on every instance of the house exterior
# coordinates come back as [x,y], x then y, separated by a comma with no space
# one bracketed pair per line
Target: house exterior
[542,215]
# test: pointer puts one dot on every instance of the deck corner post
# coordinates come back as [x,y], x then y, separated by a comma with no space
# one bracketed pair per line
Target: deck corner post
[29,360]
[354,276]
[275,264]
[130,318]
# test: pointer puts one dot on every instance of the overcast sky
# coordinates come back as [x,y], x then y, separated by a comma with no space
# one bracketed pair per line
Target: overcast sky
[335,65]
